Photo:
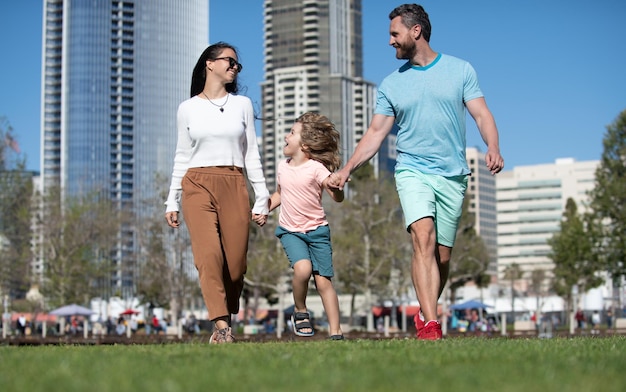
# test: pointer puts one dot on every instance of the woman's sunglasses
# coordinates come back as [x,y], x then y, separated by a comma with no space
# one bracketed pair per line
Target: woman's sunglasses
[232,63]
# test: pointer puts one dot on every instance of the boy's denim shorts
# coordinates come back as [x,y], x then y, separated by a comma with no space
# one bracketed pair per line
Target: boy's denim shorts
[314,246]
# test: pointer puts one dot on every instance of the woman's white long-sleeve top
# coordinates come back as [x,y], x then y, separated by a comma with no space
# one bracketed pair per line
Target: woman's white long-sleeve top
[210,137]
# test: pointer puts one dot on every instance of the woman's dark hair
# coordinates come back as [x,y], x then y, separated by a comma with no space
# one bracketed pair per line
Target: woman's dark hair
[198,77]
[413,14]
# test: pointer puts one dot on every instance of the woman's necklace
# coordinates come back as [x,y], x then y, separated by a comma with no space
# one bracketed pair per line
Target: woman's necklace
[221,107]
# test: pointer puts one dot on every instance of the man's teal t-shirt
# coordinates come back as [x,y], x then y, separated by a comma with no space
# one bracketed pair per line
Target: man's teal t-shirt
[428,104]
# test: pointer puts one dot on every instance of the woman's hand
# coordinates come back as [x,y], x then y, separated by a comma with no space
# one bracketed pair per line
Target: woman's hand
[172,219]
[259,219]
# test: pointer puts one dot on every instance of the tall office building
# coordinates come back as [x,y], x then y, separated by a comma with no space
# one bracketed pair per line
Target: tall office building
[313,62]
[482,193]
[530,202]
[113,74]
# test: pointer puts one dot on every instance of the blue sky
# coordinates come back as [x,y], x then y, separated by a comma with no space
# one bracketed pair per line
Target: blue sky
[553,72]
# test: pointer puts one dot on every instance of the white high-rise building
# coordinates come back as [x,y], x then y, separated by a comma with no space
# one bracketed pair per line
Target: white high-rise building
[482,193]
[313,62]
[530,203]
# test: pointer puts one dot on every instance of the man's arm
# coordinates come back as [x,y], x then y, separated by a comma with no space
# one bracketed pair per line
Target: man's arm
[368,146]
[486,124]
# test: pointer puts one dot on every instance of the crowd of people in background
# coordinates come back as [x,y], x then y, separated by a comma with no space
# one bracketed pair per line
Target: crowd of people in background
[470,321]
[111,326]
[593,320]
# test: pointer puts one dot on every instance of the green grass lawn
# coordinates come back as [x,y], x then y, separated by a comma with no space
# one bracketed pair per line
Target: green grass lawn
[454,364]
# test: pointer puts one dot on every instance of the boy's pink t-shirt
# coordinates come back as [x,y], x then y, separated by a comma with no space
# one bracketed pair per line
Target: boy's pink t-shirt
[301,195]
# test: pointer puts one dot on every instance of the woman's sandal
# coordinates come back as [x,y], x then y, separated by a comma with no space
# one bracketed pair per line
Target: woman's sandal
[299,323]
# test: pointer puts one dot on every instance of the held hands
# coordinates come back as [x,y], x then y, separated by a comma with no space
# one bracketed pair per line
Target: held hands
[172,219]
[337,180]
[259,219]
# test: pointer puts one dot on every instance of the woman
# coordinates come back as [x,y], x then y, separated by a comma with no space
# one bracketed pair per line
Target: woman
[216,142]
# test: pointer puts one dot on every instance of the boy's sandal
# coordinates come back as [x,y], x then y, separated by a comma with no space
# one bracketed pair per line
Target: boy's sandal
[337,337]
[299,323]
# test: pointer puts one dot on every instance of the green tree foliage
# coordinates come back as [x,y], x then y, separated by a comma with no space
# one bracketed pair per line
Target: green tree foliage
[16,190]
[76,238]
[267,266]
[537,282]
[573,254]
[608,199]
[470,257]
[10,156]
[512,273]
[164,257]
[369,238]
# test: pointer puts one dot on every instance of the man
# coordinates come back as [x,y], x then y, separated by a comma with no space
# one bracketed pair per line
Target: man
[427,98]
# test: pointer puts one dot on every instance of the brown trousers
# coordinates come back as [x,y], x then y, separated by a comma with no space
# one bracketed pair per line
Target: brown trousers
[216,211]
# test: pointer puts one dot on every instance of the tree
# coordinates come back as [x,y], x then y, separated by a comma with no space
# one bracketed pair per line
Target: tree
[537,282]
[573,254]
[15,216]
[10,155]
[76,238]
[512,273]
[470,257]
[164,256]
[268,267]
[154,271]
[608,200]
[369,239]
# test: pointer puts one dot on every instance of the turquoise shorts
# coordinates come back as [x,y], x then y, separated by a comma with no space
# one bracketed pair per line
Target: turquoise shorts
[429,195]
[313,245]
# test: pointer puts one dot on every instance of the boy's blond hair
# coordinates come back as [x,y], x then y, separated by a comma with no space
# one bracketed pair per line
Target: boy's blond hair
[321,139]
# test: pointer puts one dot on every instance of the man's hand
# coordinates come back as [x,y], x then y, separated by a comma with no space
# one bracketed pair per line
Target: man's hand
[338,179]
[495,162]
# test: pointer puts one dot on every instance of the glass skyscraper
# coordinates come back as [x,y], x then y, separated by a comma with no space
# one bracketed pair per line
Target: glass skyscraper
[113,74]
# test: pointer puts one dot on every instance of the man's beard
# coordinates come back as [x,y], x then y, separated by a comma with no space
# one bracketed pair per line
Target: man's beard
[405,51]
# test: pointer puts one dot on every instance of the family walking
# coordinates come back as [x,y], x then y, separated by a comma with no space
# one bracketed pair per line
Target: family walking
[427,97]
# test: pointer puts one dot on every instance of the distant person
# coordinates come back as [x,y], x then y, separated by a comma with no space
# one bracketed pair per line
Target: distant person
[269,326]
[74,325]
[216,152]
[427,98]
[192,324]
[110,326]
[580,319]
[454,321]
[474,321]
[312,148]
[595,322]
[156,325]
[120,328]
[21,325]
[556,322]
[609,319]
[133,323]
[165,322]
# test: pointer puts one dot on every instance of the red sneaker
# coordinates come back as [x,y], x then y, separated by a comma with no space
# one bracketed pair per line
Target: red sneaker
[419,322]
[431,331]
